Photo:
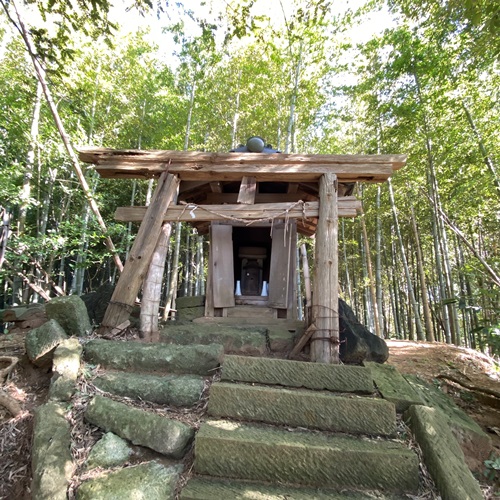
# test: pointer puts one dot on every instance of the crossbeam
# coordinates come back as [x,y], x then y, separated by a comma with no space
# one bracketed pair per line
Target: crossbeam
[191,212]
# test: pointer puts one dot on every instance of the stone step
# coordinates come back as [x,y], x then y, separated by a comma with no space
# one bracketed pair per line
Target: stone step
[204,488]
[248,311]
[303,408]
[232,450]
[172,390]
[136,356]
[251,341]
[271,371]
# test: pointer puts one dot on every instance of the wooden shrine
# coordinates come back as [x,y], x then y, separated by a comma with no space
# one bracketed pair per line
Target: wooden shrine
[252,205]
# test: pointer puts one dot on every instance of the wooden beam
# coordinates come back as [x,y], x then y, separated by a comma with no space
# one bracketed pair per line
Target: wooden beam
[135,269]
[219,199]
[325,302]
[274,172]
[248,188]
[348,207]
[101,155]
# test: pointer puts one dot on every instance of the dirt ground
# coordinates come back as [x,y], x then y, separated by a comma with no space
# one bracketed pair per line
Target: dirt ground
[471,378]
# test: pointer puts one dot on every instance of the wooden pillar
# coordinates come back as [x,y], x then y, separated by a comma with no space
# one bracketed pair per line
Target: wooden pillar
[137,265]
[325,307]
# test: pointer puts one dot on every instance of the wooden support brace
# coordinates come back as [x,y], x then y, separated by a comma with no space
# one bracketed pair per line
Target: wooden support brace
[302,341]
[135,269]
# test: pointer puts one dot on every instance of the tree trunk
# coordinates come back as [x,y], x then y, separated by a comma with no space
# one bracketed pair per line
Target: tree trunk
[378,268]
[172,289]
[429,329]
[411,295]
[482,148]
[40,73]
[30,160]
[373,293]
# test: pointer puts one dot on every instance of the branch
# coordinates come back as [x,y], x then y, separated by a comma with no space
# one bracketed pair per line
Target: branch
[493,275]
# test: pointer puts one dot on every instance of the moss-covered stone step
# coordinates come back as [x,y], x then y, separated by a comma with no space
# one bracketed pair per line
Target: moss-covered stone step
[393,386]
[203,488]
[336,378]
[303,408]
[250,340]
[164,435]
[193,359]
[174,390]
[233,450]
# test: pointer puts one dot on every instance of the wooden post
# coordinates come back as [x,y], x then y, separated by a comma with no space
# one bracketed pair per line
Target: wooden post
[325,308]
[137,265]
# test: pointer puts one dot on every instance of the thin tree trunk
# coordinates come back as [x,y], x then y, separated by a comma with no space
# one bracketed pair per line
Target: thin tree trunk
[290,131]
[172,290]
[378,268]
[429,330]
[373,293]
[40,73]
[30,160]
[411,295]
[482,148]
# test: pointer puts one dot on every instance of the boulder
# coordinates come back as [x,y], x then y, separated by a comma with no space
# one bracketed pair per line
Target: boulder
[71,313]
[97,302]
[42,341]
[66,365]
[358,344]
[110,451]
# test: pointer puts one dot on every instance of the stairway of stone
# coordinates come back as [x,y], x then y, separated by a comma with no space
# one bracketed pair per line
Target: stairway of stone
[291,429]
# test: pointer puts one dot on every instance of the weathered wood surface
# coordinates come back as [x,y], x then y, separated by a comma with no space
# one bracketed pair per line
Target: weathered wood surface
[96,154]
[348,207]
[220,198]
[202,166]
[248,189]
[325,303]
[222,265]
[283,267]
[136,267]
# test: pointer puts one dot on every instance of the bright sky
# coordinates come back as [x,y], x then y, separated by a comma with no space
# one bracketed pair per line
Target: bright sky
[275,9]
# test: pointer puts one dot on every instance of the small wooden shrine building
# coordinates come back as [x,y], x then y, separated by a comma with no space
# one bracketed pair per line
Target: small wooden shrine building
[252,205]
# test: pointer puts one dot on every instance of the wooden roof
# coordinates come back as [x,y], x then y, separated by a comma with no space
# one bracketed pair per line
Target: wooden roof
[214,179]
[201,166]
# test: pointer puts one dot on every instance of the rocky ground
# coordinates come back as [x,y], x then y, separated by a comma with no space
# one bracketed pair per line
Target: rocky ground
[471,378]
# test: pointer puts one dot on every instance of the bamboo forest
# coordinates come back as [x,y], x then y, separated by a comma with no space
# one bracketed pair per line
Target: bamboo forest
[420,78]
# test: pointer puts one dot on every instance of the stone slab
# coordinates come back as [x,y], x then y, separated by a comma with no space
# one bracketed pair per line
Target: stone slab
[65,368]
[188,302]
[192,359]
[442,454]
[42,341]
[337,378]
[174,390]
[201,488]
[393,386]
[71,313]
[303,408]
[151,481]
[475,443]
[233,450]
[162,434]
[51,463]
[250,341]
